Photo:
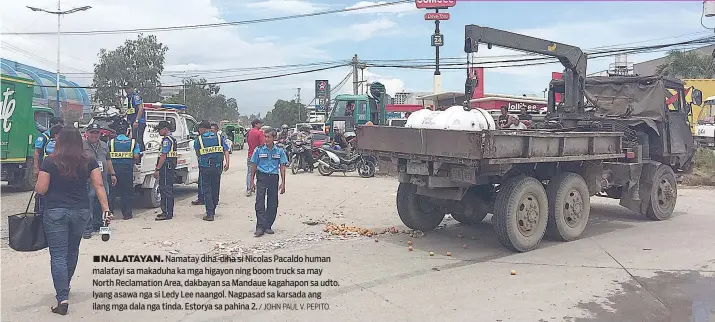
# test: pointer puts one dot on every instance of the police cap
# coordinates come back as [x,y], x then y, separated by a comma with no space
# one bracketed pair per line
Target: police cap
[163,125]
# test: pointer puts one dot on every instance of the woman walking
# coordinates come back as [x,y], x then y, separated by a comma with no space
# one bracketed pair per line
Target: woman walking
[63,179]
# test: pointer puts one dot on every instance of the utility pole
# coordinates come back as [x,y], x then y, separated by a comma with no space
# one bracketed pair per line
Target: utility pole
[59,14]
[300,108]
[356,82]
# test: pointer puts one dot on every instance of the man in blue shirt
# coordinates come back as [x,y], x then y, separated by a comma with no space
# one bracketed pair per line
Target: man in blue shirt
[40,143]
[266,162]
[123,151]
[164,171]
[212,152]
[135,114]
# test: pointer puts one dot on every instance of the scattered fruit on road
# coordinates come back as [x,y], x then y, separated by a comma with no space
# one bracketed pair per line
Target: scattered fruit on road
[464,246]
[449,253]
[513,272]
[409,242]
[431,253]
[344,230]
[409,248]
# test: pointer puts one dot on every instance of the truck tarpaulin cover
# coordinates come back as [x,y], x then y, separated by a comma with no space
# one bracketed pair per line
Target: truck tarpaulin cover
[629,97]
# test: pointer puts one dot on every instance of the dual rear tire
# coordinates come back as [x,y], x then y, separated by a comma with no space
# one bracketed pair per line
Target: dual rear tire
[524,211]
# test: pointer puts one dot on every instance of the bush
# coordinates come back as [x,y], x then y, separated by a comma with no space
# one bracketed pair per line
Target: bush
[703,169]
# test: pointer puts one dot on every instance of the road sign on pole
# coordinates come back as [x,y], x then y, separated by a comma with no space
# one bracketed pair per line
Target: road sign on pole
[437,16]
[435,4]
[437,40]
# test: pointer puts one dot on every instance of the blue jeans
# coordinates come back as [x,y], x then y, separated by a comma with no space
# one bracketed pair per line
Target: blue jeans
[96,209]
[248,175]
[63,230]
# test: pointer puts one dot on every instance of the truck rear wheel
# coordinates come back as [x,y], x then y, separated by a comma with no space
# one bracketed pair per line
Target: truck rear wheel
[28,180]
[569,206]
[471,210]
[417,212]
[663,192]
[152,197]
[520,213]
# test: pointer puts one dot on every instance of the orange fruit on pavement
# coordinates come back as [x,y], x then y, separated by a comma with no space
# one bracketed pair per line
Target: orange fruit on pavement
[449,253]
[409,248]
[513,272]
[431,253]
[409,242]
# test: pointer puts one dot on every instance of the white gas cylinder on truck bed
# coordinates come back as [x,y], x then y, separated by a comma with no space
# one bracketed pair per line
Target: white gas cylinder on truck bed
[454,118]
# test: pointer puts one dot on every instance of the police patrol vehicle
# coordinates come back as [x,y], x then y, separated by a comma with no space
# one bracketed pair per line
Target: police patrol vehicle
[184,131]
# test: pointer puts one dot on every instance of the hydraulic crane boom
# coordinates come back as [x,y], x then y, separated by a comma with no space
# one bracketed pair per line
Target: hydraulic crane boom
[573,59]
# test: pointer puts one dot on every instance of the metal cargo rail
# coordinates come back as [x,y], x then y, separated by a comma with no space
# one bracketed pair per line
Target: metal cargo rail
[495,147]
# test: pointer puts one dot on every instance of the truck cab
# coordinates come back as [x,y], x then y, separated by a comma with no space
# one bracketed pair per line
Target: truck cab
[21,125]
[351,111]
[705,127]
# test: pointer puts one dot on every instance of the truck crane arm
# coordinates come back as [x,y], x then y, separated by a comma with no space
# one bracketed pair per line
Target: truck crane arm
[571,57]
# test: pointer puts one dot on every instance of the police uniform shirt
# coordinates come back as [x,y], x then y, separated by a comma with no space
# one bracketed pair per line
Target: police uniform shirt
[211,148]
[269,160]
[168,148]
[134,100]
[40,143]
[122,139]
[50,147]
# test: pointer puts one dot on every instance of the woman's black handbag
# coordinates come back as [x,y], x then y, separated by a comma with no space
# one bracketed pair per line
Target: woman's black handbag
[26,232]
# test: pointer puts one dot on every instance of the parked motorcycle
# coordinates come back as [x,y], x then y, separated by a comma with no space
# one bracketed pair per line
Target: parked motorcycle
[297,159]
[332,160]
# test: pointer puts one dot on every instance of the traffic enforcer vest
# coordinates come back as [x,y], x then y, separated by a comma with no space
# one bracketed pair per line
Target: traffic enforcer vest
[213,146]
[121,149]
[172,155]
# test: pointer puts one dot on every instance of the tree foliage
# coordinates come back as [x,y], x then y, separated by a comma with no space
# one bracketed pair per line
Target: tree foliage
[284,112]
[205,102]
[139,60]
[689,64]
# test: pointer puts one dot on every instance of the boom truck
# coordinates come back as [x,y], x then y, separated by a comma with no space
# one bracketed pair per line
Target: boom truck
[611,136]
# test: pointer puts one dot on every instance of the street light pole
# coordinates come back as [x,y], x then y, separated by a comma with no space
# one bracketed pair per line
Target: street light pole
[59,14]
[58,58]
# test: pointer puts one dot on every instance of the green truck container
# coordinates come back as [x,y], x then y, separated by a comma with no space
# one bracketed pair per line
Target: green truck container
[19,130]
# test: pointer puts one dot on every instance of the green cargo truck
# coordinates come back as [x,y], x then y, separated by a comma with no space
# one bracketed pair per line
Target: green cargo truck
[18,130]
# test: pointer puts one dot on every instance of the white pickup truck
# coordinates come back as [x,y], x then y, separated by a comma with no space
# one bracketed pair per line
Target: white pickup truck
[187,166]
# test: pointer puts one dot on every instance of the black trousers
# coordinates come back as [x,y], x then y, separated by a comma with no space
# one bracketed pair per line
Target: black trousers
[211,186]
[200,197]
[124,188]
[138,134]
[266,199]
[166,189]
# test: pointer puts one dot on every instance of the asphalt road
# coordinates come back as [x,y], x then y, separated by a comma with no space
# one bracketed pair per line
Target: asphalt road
[625,268]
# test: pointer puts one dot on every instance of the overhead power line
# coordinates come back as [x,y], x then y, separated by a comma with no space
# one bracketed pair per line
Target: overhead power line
[210,25]
[227,81]
[549,60]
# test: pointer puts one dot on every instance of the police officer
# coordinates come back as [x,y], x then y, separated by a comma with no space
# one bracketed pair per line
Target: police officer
[41,143]
[212,151]
[123,151]
[165,171]
[266,162]
[135,114]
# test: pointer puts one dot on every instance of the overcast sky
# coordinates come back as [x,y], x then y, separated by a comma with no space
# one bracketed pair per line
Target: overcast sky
[397,32]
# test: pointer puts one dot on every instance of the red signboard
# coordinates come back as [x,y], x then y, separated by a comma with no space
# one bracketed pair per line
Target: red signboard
[513,107]
[437,16]
[435,4]
[557,75]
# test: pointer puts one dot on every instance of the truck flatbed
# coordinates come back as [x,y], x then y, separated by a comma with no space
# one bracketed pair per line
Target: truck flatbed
[489,147]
